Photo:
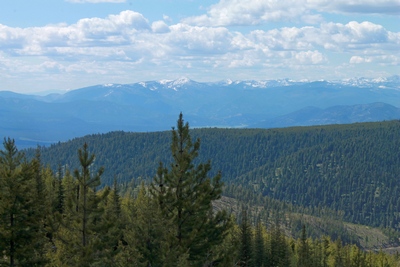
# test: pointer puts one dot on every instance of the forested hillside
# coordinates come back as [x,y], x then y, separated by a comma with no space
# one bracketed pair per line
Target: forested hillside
[69,217]
[350,168]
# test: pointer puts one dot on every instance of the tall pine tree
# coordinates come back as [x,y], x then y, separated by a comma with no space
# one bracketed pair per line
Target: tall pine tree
[79,240]
[185,194]
[21,225]
[246,248]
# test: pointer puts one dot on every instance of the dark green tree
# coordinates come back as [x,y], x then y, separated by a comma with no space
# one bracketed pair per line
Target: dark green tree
[21,227]
[41,209]
[246,249]
[185,194]
[113,221]
[304,259]
[82,224]
[278,248]
[144,233]
[259,246]
[338,254]
[59,202]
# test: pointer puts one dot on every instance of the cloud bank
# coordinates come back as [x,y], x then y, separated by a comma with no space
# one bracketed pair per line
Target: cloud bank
[127,47]
[255,12]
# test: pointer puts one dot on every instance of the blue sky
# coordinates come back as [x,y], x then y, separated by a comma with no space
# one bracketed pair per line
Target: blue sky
[68,44]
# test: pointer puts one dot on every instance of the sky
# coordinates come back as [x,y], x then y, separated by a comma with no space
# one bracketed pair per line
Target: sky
[50,45]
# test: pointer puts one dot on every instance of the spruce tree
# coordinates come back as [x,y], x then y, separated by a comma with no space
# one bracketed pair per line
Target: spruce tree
[111,220]
[246,249]
[259,246]
[185,194]
[21,224]
[304,250]
[278,247]
[41,209]
[59,202]
[81,225]
[145,232]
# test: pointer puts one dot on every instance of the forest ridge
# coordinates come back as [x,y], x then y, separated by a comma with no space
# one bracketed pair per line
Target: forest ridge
[84,226]
[351,168]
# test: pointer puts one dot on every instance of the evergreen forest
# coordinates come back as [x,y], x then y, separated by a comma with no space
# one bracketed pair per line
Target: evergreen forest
[301,196]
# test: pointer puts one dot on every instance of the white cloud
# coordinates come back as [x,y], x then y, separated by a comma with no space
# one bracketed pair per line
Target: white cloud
[357,60]
[356,33]
[250,12]
[330,36]
[129,36]
[254,12]
[95,1]
[199,40]
[159,27]
[309,57]
[389,7]
[384,60]
[113,31]
[127,42]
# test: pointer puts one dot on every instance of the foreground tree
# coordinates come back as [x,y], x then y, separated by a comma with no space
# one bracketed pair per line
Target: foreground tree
[79,238]
[246,249]
[185,194]
[21,213]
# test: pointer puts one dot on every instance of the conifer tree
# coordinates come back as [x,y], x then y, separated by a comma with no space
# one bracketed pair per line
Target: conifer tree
[81,224]
[259,246]
[338,254]
[278,248]
[21,235]
[246,250]
[185,194]
[59,202]
[112,221]
[304,250]
[145,232]
[230,248]
[40,210]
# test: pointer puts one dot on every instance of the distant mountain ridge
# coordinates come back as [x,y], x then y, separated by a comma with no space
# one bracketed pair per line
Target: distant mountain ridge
[154,105]
[309,116]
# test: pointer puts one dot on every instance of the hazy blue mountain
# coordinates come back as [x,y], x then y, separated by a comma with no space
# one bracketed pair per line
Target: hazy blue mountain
[154,105]
[333,115]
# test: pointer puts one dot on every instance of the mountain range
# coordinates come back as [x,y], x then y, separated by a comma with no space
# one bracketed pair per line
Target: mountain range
[155,105]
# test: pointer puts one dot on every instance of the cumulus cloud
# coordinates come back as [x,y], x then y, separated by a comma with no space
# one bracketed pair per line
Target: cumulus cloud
[159,27]
[389,7]
[357,60]
[128,34]
[199,39]
[384,60]
[309,57]
[128,42]
[356,33]
[115,30]
[250,12]
[254,12]
[329,36]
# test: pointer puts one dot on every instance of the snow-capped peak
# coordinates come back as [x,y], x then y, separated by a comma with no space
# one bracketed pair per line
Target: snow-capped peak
[181,81]
[175,84]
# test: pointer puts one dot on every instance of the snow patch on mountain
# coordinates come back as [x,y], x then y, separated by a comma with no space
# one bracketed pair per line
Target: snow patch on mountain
[109,93]
[392,82]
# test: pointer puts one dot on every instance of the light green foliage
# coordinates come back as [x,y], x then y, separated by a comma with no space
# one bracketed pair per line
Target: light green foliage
[82,224]
[145,231]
